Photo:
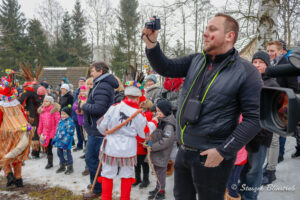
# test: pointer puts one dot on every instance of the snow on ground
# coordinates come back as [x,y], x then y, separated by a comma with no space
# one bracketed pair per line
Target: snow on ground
[288,174]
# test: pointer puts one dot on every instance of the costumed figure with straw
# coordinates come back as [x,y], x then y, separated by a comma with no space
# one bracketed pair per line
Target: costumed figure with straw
[120,125]
[15,131]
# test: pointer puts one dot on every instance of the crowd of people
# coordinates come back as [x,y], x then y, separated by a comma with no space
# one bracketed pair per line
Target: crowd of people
[204,118]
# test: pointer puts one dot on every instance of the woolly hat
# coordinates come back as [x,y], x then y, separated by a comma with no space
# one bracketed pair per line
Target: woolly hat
[151,77]
[133,88]
[165,106]
[263,56]
[41,91]
[65,86]
[67,109]
[46,85]
[81,78]
[49,98]
[132,91]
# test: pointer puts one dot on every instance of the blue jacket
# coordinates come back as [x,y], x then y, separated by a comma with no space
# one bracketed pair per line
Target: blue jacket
[64,134]
[100,98]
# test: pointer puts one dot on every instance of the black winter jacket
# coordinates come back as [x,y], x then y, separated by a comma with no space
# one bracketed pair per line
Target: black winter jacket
[264,137]
[66,100]
[235,90]
[100,98]
[287,81]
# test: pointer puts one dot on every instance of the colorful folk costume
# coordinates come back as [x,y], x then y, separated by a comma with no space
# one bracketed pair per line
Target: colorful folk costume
[31,101]
[15,132]
[120,125]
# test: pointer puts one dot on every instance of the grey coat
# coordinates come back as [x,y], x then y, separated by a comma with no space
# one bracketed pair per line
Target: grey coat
[152,92]
[162,141]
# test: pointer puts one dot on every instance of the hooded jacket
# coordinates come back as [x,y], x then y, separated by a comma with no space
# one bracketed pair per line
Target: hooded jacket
[100,98]
[162,141]
[49,118]
[234,90]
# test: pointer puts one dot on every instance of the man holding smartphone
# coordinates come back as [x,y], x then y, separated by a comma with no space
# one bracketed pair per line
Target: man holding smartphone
[218,87]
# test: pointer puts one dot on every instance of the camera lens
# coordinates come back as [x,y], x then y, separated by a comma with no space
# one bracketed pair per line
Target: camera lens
[280,110]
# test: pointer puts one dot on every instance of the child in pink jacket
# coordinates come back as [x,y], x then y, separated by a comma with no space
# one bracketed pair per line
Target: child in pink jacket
[49,118]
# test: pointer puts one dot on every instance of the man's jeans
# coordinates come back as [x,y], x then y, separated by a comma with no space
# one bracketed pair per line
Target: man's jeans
[92,159]
[282,141]
[252,174]
[193,177]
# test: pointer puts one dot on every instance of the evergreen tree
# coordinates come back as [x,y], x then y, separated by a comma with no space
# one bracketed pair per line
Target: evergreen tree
[12,40]
[63,46]
[128,21]
[81,49]
[37,49]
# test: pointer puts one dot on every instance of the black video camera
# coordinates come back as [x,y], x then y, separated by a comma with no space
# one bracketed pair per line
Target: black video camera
[154,24]
[280,107]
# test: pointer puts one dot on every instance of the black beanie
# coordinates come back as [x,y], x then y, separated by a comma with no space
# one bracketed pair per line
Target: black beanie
[165,106]
[263,56]
[67,109]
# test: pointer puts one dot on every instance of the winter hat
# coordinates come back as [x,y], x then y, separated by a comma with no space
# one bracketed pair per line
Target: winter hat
[151,77]
[81,78]
[83,87]
[67,109]
[133,88]
[49,98]
[41,91]
[65,79]
[263,56]
[65,86]
[46,85]
[165,106]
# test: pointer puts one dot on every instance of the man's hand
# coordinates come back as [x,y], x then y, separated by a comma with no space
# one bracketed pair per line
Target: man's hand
[213,159]
[152,35]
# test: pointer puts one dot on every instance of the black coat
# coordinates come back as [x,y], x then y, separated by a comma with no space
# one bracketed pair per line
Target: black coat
[100,98]
[235,90]
[288,81]
[66,100]
[264,137]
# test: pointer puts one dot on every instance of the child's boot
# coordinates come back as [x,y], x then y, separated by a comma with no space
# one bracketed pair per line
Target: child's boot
[62,168]
[126,188]
[70,169]
[107,187]
[158,196]
[19,182]
[50,162]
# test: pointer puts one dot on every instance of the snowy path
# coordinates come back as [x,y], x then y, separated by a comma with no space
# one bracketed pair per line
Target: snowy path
[288,174]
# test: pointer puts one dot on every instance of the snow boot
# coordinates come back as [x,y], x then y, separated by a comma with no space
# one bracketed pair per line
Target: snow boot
[269,177]
[137,177]
[85,172]
[126,188]
[70,169]
[62,168]
[145,181]
[158,196]
[107,187]
[153,192]
[170,168]
[19,182]
[11,180]
[50,162]
[297,153]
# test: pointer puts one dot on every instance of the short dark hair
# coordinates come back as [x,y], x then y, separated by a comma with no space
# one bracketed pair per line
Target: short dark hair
[100,66]
[230,25]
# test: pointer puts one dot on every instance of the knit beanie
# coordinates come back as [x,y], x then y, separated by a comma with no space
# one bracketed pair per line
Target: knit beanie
[46,85]
[151,77]
[67,109]
[165,106]
[263,56]
[81,78]
[41,91]
[49,98]
[133,91]
[65,86]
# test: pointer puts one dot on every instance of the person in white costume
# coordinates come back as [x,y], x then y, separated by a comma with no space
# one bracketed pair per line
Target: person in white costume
[119,148]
